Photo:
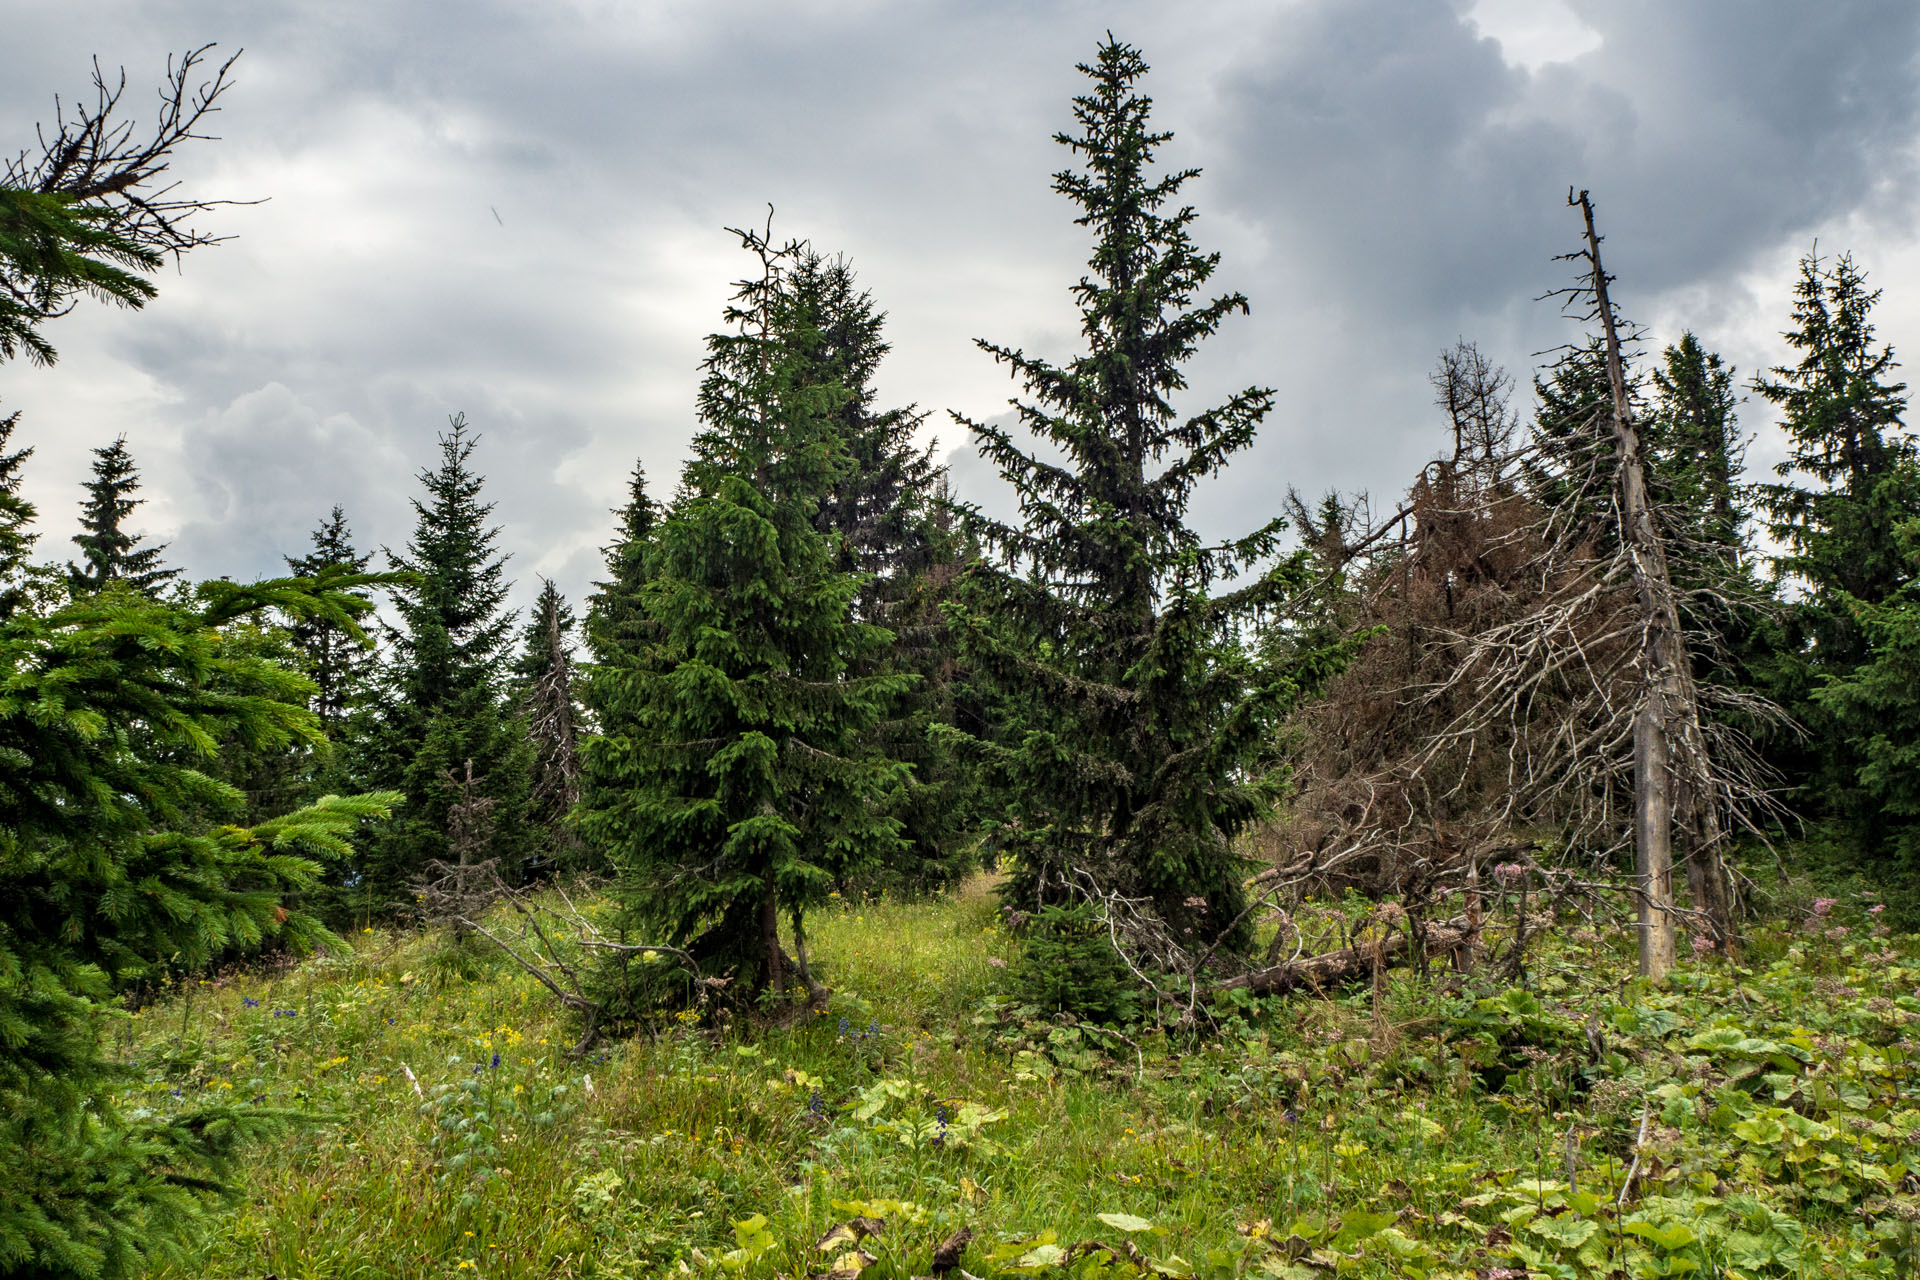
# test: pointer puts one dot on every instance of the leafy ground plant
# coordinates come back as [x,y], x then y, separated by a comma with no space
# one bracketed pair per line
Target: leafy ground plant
[1754,1122]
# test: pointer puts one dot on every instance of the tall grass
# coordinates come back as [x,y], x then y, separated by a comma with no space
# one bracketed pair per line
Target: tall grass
[453,1133]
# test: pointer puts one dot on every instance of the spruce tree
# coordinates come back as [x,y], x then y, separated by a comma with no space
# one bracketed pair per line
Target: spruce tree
[109,553]
[1135,753]
[1848,479]
[123,865]
[1695,448]
[544,681]
[614,611]
[739,732]
[16,521]
[1844,514]
[616,644]
[444,696]
[885,512]
[338,662]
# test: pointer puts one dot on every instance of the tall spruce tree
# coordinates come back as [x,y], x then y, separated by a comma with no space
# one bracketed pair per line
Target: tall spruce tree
[734,777]
[444,700]
[1845,514]
[1848,478]
[1139,725]
[108,552]
[1695,449]
[885,514]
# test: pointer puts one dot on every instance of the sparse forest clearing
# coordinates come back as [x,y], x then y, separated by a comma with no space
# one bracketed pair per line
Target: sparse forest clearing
[1508,884]
[1316,1135]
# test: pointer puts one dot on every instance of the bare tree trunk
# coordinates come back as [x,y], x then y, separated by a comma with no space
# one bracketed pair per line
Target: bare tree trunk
[770,940]
[1708,884]
[1463,958]
[1668,694]
[1653,840]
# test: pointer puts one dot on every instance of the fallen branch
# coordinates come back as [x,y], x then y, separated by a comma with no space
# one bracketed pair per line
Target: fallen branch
[1357,962]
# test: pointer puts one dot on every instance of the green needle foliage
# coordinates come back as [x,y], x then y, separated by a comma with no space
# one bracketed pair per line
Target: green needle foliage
[118,871]
[1848,516]
[53,250]
[16,522]
[337,661]
[1138,726]
[109,553]
[884,511]
[445,691]
[616,631]
[1853,459]
[734,781]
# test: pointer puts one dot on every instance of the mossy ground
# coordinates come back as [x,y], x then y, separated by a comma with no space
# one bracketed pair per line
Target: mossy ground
[1428,1130]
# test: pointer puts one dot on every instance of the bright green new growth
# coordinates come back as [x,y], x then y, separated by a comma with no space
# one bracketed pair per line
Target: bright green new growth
[53,249]
[119,871]
[737,726]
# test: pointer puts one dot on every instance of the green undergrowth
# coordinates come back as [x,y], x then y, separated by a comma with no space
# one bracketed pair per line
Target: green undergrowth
[1767,1119]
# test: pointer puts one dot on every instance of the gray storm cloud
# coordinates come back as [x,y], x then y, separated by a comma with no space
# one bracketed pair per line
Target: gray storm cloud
[519,214]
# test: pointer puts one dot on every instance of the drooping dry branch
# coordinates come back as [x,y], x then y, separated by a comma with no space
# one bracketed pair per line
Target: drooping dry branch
[94,155]
[1493,717]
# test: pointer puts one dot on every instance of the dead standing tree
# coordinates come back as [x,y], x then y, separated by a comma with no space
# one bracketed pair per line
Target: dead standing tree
[457,892]
[1452,739]
[1673,774]
[553,726]
[1530,644]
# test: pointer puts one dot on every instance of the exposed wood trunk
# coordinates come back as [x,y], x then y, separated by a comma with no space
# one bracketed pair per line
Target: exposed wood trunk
[1463,956]
[1653,840]
[1667,741]
[1708,884]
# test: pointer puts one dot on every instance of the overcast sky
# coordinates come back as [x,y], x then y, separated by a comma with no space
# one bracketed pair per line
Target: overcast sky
[516,210]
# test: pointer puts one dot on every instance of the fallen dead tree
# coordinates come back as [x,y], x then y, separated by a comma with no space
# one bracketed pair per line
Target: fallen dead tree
[1365,959]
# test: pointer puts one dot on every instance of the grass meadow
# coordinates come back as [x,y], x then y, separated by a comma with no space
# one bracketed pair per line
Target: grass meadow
[1750,1120]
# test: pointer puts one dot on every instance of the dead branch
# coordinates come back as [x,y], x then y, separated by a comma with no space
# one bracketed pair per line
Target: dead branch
[94,156]
[1361,961]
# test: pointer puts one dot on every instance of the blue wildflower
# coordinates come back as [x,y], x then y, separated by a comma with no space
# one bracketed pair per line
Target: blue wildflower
[249,1002]
[495,1062]
[940,1113]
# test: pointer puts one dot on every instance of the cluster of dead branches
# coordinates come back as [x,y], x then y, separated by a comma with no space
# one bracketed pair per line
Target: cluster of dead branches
[95,155]
[1530,692]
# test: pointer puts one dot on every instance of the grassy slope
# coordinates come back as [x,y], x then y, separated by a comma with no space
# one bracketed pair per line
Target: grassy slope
[1782,1113]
